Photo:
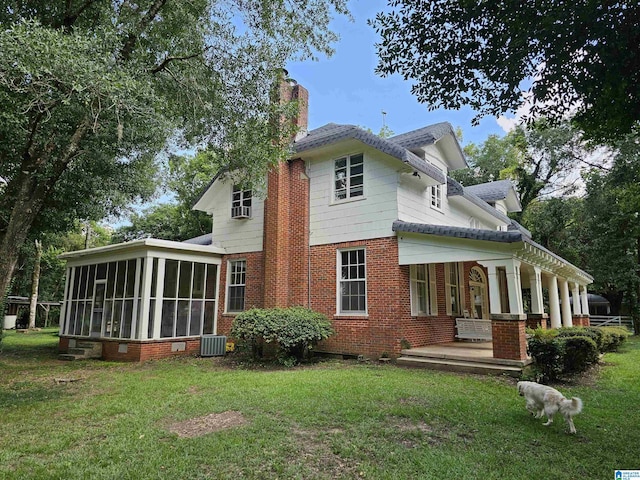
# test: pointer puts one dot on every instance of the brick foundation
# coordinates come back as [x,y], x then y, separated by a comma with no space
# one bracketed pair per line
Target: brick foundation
[581,321]
[537,320]
[509,339]
[139,351]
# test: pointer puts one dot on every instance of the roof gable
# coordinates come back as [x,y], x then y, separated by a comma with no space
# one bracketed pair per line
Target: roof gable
[333,133]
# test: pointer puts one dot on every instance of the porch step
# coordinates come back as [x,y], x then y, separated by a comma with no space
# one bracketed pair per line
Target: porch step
[83,350]
[462,366]
[70,357]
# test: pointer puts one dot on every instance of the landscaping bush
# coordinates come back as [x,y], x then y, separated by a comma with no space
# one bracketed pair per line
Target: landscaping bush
[547,352]
[615,336]
[580,352]
[295,330]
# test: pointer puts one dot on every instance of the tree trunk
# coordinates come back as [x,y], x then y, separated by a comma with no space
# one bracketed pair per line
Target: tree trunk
[29,194]
[35,282]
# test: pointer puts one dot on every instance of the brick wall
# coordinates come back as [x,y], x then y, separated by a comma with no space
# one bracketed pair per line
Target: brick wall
[509,340]
[254,287]
[389,320]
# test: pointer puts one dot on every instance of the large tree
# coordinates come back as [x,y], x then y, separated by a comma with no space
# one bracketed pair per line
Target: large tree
[541,159]
[578,57]
[92,91]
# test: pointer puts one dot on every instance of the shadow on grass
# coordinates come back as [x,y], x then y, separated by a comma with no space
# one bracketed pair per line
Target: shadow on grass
[27,393]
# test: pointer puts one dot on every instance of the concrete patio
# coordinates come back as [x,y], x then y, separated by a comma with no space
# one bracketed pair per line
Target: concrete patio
[466,357]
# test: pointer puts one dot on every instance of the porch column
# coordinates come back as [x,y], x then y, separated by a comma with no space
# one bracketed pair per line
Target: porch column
[514,287]
[567,320]
[157,313]
[554,305]
[584,300]
[535,279]
[494,289]
[575,297]
[145,296]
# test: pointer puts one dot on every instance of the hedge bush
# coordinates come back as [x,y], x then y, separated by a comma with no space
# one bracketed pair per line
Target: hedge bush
[580,352]
[547,352]
[571,350]
[615,336]
[295,330]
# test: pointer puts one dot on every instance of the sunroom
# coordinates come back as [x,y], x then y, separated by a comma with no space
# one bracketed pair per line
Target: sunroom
[140,300]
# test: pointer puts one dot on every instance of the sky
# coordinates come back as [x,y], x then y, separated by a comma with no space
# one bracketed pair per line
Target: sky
[345,89]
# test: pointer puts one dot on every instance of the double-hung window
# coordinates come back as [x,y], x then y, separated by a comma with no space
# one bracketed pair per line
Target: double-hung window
[452,288]
[436,197]
[348,177]
[423,290]
[352,284]
[236,285]
[240,203]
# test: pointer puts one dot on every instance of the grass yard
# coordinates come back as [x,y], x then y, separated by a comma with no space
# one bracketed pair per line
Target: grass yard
[331,420]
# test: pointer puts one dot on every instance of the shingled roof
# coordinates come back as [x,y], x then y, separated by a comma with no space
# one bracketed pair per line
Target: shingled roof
[333,133]
[455,189]
[510,236]
[423,136]
[458,232]
[491,191]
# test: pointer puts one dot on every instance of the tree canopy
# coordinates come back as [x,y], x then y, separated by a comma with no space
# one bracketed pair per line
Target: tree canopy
[540,159]
[91,93]
[579,58]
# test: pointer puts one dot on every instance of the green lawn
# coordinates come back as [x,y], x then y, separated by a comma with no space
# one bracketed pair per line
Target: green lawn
[331,420]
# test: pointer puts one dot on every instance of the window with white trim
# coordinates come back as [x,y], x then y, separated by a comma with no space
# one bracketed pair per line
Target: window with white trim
[348,177]
[352,287]
[423,290]
[452,288]
[436,197]
[236,285]
[474,223]
[241,203]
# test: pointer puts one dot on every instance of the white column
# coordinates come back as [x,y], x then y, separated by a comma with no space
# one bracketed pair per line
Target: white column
[575,297]
[535,280]
[145,296]
[584,300]
[514,287]
[157,314]
[554,305]
[494,289]
[567,320]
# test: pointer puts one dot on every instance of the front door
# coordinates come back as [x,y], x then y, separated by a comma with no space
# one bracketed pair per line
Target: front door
[98,308]
[478,294]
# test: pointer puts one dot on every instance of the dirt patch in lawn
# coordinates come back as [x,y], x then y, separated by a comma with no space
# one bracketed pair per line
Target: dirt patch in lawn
[214,422]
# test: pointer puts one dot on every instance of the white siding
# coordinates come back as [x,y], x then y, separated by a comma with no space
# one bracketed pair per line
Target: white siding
[235,235]
[370,216]
[413,249]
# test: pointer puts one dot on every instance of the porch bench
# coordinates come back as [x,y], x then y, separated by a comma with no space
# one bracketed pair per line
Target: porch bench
[473,329]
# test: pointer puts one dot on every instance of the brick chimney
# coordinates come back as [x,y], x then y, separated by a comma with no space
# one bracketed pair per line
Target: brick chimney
[286,227]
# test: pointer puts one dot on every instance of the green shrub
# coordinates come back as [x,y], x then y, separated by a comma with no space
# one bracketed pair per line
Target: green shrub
[547,352]
[616,336]
[295,330]
[580,352]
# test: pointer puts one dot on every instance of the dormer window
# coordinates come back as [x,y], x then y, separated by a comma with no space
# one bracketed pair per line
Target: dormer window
[240,203]
[349,177]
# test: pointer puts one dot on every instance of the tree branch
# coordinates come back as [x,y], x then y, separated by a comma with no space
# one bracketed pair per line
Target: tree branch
[127,47]
[158,68]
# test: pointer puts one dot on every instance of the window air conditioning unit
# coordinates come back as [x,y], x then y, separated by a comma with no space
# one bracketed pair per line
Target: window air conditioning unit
[240,212]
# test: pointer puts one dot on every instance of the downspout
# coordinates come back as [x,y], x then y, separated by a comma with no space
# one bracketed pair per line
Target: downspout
[306,172]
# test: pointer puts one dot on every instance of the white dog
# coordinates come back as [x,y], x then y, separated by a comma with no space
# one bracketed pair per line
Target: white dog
[544,400]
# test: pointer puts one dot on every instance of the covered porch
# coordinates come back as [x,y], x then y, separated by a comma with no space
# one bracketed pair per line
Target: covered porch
[506,287]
